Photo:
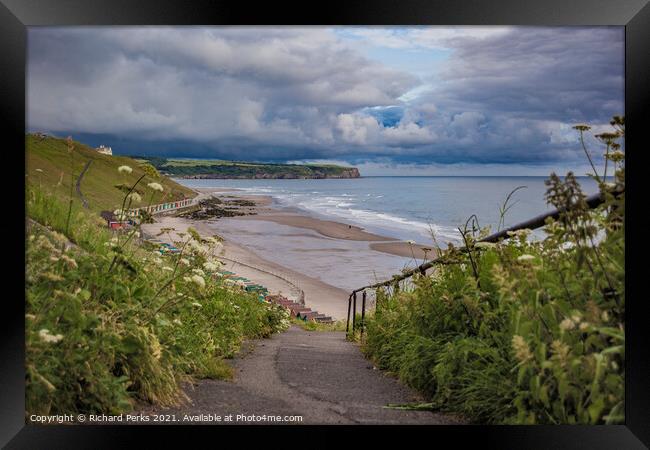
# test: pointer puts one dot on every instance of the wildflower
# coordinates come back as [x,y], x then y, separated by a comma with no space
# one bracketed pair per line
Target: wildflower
[52,276]
[60,238]
[124,169]
[168,269]
[54,258]
[195,247]
[185,261]
[607,138]
[156,186]
[70,261]
[485,245]
[135,197]
[524,258]
[561,351]
[567,324]
[522,352]
[30,316]
[198,305]
[198,272]
[523,233]
[45,243]
[210,266]
[46,336]
[156,350]
[157,261]
[584,326]
[177,322]
[604,316]
[582,127]
[576,318]
[197,279]
[616,156]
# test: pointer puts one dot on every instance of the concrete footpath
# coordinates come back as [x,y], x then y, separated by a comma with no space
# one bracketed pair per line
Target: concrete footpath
[316,375]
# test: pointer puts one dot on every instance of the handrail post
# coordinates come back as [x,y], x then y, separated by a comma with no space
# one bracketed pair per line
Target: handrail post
[363,313]
[347,323]
[354,312]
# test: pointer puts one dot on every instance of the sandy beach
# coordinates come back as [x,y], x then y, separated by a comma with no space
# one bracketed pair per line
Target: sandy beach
[328,228]
[317,295]
[295,254]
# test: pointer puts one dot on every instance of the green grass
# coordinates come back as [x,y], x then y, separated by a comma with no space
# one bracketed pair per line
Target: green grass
[49,165]
[316,326]
[538,337]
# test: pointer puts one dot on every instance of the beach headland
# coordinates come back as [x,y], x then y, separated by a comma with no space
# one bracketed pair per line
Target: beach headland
[299,256]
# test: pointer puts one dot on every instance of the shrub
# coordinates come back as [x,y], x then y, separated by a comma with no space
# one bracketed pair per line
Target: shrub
[109,322]
[523,331]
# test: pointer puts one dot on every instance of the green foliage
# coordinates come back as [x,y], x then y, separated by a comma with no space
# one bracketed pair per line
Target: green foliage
[150,170]
[310,325]
[240,169]
[523,331]
[109,322]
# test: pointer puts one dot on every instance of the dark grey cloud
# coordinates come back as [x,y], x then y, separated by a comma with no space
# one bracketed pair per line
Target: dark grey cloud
[506,97]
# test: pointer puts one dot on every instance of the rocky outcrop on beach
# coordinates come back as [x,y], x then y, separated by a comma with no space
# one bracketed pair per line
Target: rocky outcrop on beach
[215,208]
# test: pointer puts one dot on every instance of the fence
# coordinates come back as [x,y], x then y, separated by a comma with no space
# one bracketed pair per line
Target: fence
[534,223]
[161,207]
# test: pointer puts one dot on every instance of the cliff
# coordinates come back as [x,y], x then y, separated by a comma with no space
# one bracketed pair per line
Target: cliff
[182,168]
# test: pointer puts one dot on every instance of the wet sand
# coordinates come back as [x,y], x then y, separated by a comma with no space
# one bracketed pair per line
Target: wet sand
[269,248]
[320,296]
[328,228]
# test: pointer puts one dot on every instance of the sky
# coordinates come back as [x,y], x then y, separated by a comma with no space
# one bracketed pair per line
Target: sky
[388,100]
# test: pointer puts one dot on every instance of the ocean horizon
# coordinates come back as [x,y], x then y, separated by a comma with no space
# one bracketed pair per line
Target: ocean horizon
[404,207]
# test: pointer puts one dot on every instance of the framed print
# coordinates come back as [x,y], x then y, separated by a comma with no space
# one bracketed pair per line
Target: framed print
[348,217]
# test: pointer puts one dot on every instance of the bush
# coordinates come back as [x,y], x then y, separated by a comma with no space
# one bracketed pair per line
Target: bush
[522,331]
[109,322]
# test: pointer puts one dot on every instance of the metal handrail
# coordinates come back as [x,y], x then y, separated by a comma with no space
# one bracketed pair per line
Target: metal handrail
[536,222]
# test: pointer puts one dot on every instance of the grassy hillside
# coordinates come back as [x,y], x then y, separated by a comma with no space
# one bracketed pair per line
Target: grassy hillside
[50,165]
[205,168]
[110,322]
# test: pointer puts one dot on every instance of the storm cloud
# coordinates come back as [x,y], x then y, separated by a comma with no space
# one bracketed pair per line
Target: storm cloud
[496,95]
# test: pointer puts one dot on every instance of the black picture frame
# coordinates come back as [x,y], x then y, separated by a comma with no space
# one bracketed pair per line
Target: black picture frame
[16,15]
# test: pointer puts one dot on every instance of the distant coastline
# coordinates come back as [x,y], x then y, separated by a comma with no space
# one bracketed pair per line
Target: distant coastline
[224,170]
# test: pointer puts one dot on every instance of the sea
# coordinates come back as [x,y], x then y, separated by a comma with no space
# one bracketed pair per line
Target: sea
[401,208]
[408,208]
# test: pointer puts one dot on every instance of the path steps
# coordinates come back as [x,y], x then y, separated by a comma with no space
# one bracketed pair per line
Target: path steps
[298,310]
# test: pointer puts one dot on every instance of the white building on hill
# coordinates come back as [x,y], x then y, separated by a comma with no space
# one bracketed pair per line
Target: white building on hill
[105,150]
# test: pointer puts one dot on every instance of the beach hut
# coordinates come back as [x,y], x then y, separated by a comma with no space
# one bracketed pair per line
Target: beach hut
[112,220]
